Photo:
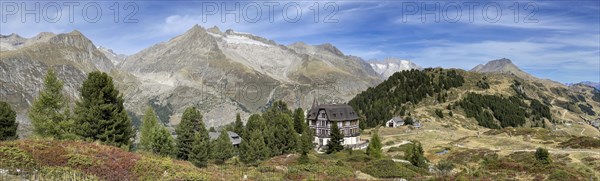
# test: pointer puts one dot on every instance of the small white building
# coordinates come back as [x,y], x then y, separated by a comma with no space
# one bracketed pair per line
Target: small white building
[395,122]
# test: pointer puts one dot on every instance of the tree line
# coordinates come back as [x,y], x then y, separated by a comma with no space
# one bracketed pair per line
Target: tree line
[99,115]
[379,104]
[509,112]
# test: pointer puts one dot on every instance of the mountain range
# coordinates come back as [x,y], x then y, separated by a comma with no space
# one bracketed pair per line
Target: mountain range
[588,83]
[220,72]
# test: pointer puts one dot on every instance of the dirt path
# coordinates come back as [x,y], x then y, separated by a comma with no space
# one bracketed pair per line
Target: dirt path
[592,151]
[394,145]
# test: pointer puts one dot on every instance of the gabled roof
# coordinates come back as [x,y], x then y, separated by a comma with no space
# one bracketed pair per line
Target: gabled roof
[396,119]
[335,112]
[233,137]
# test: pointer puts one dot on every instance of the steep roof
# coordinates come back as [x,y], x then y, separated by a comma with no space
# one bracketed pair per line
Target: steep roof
[335,112]
[233,137]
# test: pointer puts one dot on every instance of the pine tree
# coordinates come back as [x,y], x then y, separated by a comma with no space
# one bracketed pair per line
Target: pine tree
[222,147]
[47,110]
[283,138]
[191,122]
[148,129]
[100,114]
[306,140]
[8,122]
[543,156]
[162,142]
[255,122]
[200,149]
[253,148]
[238,126]
[416,156]
[374,148]
[335,141]
[299,121]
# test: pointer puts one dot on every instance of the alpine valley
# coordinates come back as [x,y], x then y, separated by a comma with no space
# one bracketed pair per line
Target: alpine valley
[418,123]
[232,72]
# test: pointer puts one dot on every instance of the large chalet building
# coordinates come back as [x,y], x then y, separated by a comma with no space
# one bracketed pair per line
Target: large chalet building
[321,117]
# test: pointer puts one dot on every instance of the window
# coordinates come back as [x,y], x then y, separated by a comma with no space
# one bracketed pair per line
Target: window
[322,115]
[334,115]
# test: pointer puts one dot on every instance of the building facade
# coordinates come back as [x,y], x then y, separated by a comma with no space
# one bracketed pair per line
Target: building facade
[321,117]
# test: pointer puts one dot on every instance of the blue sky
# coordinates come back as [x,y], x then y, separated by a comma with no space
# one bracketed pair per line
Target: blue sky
[558,40]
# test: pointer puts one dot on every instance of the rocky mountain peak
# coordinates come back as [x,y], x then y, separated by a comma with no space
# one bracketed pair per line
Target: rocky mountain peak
[12,35]
[330,48]
[215,30]
[74,39]
[503,66]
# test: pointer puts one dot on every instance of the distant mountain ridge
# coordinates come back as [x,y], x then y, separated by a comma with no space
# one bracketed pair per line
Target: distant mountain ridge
[389,66]
[588,83]
[503,66]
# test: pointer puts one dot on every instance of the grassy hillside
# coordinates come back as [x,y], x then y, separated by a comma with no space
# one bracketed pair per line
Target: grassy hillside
[76,160]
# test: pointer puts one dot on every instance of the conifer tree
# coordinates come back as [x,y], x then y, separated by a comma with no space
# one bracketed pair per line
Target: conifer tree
[222,147]
[8,122]
[253,149]
[238,126]
[335,142]
[255,123]
[283,138]
[162,142]
[191,122]
[542,156]
[306,140]
[48,109]
[416,156]
[148,129]
[299,121]
[200,149]
[100,114]
[374,148]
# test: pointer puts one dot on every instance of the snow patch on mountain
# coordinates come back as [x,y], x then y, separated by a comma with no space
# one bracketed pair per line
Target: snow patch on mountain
[389,66]
[235,39]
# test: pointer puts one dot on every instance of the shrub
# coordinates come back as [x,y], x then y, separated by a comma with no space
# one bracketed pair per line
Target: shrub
[62,173]
[581,142]
[339,172]
[561,175]
[444,167]
[15,158]
[542,156]
[388,169]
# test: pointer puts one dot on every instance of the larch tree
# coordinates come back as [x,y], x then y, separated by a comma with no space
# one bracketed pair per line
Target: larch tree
[148,129]
[49,112]
[374,148]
